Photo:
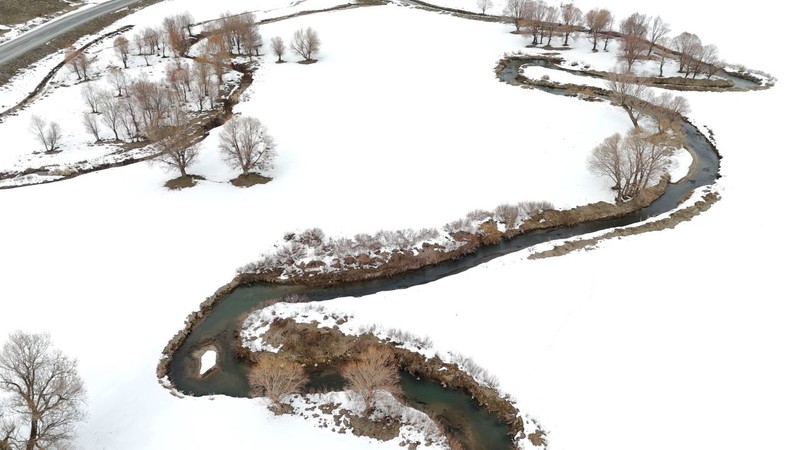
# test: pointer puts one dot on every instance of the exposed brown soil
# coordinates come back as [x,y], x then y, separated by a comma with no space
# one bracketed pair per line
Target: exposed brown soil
[183,182]
[329,347]
[16,11]
[250,179]
[682,215]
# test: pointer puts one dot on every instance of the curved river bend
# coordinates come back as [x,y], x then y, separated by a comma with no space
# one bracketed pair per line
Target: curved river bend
[220,322]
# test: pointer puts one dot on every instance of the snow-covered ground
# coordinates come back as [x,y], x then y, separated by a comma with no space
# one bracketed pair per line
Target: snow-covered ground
[681,338]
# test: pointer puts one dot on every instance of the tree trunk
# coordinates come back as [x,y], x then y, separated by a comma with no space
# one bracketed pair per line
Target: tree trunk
[566,38]
[629,110]
[605,46]
[594,42]
[34,434]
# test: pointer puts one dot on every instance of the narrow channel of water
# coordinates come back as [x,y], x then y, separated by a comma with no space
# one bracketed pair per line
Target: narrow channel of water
[230,376]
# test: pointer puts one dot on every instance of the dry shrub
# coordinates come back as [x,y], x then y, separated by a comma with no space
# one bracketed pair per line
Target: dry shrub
[290,253]
[478,215]
[275,378]
[507,214]
[489,233]
[374,370]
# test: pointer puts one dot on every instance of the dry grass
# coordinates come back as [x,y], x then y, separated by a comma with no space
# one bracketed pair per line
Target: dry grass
[14,12]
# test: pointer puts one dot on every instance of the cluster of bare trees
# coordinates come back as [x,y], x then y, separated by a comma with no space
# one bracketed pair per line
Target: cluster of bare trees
[374,371]
[638,100]
[276,378]
[695,58]
[240,33]
[632,163]
[44,394]
[175,34]
[540,20]
[80,62]
[305,43]
[48,134]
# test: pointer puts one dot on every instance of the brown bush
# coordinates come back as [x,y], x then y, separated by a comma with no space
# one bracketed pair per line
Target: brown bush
[375,370]
[275,378]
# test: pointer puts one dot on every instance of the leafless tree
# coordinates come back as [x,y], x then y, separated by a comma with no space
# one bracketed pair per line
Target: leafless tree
[48,134]
[112,113]
[179,79]
[173,139]
[571,16]
[118,79]
[598,20]
[637,24]
[658,30]
[276,378]
[130,117]
[277,47]
[122,48]
[44,391]
[305,43]
[483,5]
[177,39]
[245,144]
[689,47]
[92,125]
[79,61]
[550,24]
[538,11]
[375,370]
[185,20]
[91,96]
[669,110]
[251,36]
[628,94]
[632,49]
[516,10]
[152,101]
[665,42]
[608,35]
[203,83]
[632,163]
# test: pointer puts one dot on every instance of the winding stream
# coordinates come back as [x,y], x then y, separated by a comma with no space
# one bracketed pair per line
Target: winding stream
[489,434]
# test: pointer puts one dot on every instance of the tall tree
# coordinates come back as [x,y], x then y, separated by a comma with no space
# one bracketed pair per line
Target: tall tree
[44,390]
[278,48]
[245,144]
[598,20]
[628,94]
[483,5]
[48,134]
[658,30]
[305,43]
[517,9]
[571,16]
[122,48]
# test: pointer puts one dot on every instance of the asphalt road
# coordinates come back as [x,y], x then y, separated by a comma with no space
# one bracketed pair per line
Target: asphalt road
[44,33]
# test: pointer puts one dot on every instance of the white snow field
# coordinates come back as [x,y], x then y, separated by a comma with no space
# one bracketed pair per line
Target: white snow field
[683,338]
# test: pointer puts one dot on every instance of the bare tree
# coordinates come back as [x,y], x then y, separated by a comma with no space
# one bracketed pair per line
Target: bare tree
[550,23]
[179,79]
[112,113]
[658,30]
[637,24]
[122,48]
[276,378]
[44,389]
[79,62]
[152,101]
[277,47]
[632,163]
[598,20]
[375,370]
[48,134]
[571,16]
[245,144]
[608,35]
[251,36]
[91,96]
[203,83]
[516,10]
[689,47]
[669,110]
[665,42]
[632,49]
[174,141]
[305,43]
[538,11]
[483,5]
[628,94]
[92,125]
[118,79]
